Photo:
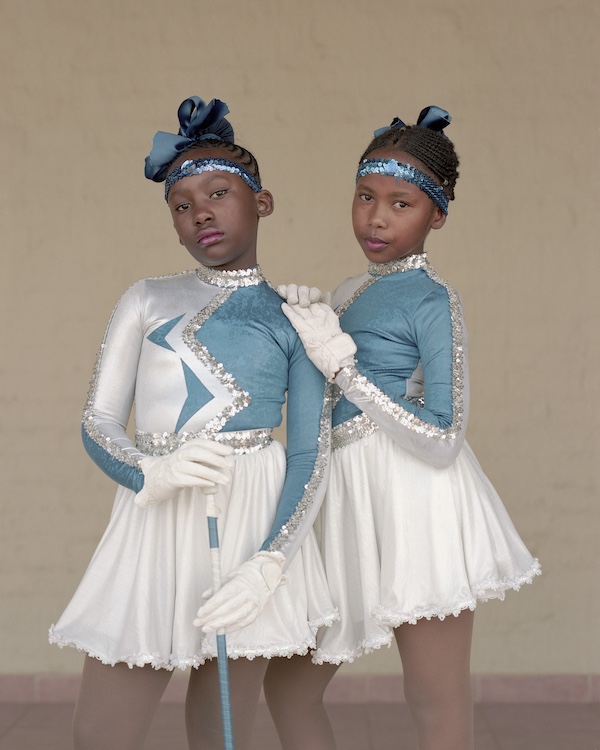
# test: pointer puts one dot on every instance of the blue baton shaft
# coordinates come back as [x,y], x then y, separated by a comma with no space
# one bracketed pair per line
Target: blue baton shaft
[222,661]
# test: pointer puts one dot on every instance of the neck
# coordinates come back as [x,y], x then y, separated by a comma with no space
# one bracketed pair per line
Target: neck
[399,265]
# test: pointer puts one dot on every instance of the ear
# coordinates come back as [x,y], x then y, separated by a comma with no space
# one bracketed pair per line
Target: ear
[265,203]
[438,219]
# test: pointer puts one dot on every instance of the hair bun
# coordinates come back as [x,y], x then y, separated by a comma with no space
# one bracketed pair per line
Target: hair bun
[197,121]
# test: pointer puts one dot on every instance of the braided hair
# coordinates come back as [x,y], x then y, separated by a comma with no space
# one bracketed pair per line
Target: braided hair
[433,149]
[238,153]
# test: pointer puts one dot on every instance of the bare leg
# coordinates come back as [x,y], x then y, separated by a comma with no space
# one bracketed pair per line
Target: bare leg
[294,691]
[203,705]
[116,705]
[436,662]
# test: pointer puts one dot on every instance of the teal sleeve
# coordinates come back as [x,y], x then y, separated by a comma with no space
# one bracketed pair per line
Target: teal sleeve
[308,445]
[433,430]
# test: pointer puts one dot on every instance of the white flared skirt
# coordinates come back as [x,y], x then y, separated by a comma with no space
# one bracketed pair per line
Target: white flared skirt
[143,586]
[403,540]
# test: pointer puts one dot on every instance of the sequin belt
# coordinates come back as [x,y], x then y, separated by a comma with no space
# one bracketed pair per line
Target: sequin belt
[352,430]
[242,441]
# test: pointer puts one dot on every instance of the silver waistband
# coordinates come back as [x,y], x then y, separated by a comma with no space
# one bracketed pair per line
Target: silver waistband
[242,441]
[352,430]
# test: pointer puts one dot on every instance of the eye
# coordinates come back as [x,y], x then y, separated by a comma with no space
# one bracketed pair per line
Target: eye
[365,197]
[218,193]
[400,204]
[181,207]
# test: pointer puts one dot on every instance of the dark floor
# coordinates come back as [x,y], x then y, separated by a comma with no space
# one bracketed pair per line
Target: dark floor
[375,726]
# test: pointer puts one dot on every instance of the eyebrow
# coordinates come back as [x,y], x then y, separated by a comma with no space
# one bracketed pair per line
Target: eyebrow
[399,192]
[179,186]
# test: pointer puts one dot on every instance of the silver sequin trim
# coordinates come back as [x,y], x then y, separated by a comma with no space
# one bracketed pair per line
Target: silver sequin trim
[105,442]
[121,454]
[240,398]
[410,263]
[400,265]
[350,431]
[288,530]
[336,395]
[242,441]
[358,427]
[458,354]
[231,279]
[405,418]
[339,311]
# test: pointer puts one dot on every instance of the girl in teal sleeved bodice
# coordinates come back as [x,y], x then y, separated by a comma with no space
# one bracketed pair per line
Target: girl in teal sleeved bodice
[412,533]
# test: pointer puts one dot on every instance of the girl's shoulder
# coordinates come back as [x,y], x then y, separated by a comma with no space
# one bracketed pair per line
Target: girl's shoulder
[165,284]
[168,280]
[439,285]
[348,288]
[157,289]
[410,289]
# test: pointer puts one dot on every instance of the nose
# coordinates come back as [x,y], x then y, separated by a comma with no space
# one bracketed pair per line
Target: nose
[377,215]
[203,214]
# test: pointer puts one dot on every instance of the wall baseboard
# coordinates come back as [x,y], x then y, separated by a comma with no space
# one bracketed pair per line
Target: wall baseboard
[562,688]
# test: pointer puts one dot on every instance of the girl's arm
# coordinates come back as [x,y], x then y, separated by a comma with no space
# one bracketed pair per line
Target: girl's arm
[434,431]
[111,393]
[308,424]
[433,428]
[240,600]
[198,463]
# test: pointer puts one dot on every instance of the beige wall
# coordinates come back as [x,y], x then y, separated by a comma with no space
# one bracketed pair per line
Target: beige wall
[84,87]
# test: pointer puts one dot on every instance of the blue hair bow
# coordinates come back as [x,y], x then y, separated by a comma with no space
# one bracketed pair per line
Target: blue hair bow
[433,118]
[197,121]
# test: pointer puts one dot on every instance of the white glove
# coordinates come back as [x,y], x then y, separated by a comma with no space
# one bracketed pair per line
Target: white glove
[327,346]
[197,463]
[299,295]
[242,597]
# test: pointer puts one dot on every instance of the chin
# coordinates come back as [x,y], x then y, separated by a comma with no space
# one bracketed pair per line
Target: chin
[374,257]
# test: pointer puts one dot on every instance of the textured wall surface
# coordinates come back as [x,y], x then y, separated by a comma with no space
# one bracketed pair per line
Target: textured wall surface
[85,86]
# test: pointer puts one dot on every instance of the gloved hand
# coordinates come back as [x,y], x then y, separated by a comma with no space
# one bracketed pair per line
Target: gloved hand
[327,346]
[197,463]
[243,595]
[299,295]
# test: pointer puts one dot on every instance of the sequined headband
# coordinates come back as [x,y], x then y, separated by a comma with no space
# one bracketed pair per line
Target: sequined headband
[210,164]
[408,173]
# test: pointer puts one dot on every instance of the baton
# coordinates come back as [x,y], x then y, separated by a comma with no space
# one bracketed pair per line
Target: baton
[222,664]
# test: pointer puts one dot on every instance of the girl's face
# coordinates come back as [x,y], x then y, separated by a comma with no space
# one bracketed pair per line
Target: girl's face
[215,215]
[391,218]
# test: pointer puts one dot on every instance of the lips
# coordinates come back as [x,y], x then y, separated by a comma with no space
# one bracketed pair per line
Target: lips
[209,236]
[375,243]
